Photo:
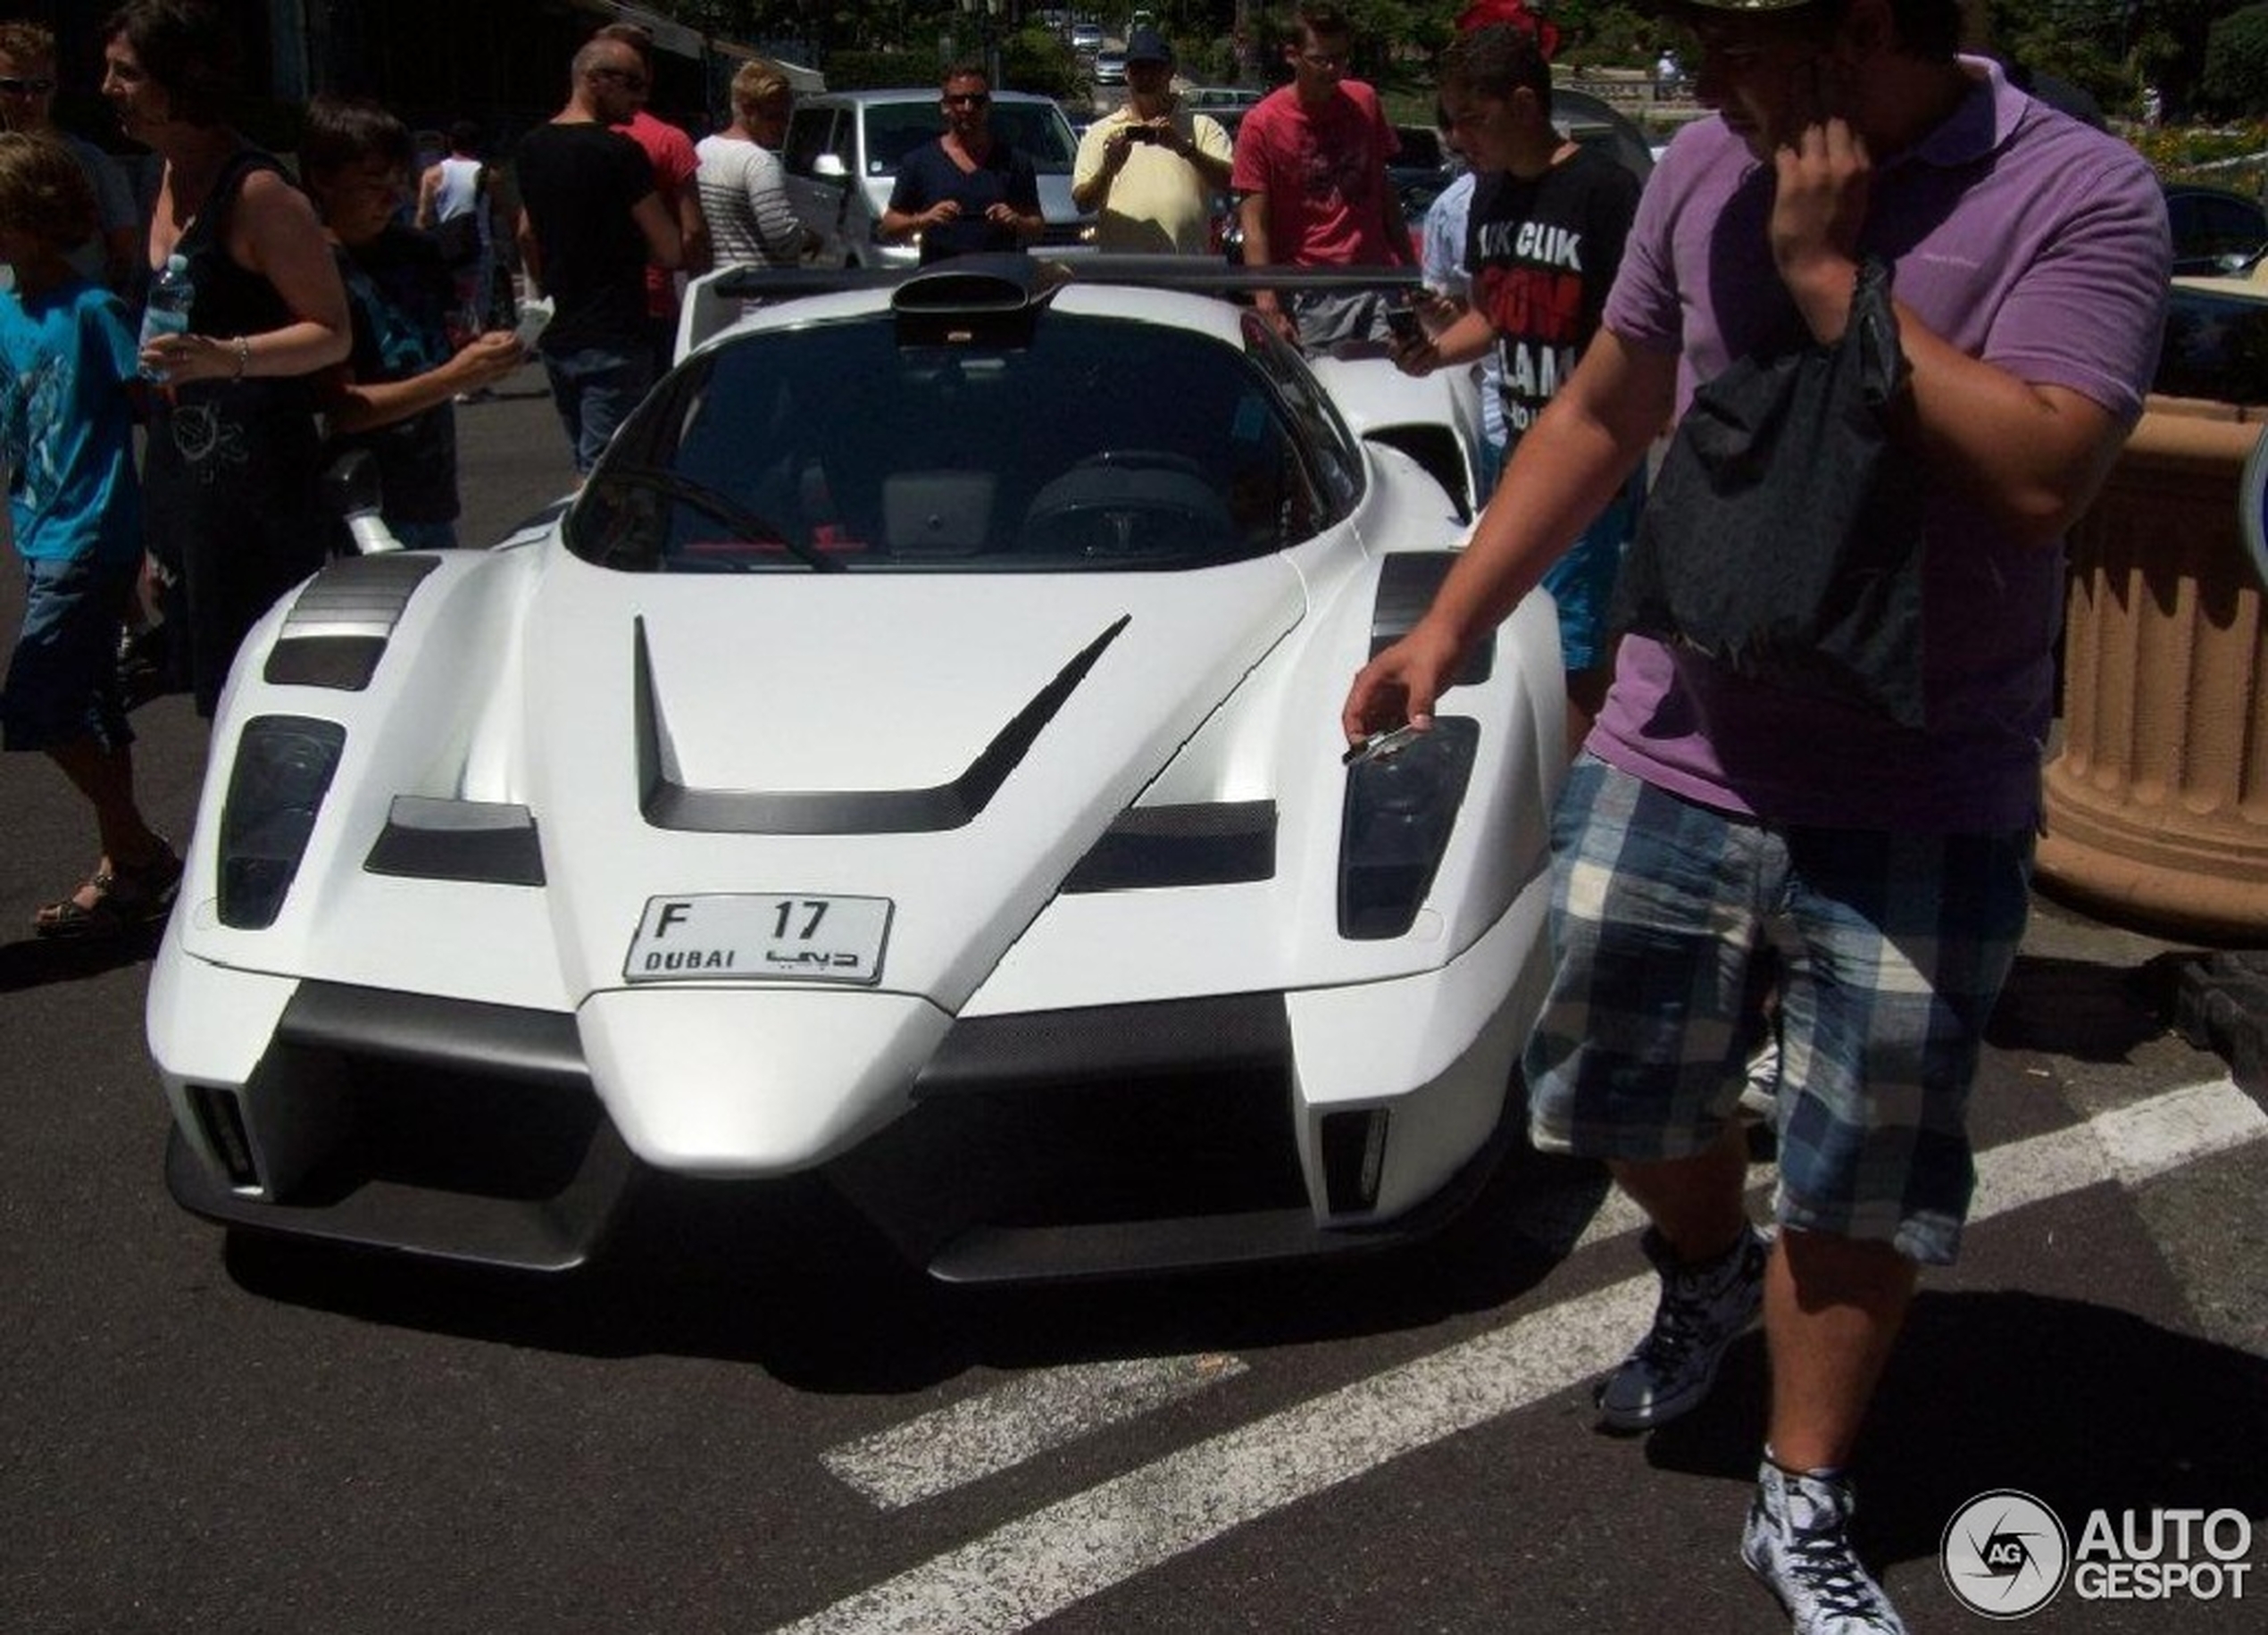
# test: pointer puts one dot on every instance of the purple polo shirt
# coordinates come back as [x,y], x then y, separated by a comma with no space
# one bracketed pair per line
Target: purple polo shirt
[2019,236]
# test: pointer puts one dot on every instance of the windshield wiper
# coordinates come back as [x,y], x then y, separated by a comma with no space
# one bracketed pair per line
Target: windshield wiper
[722,507]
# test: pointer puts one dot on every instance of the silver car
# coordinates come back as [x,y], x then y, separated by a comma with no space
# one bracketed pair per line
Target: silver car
[842,155]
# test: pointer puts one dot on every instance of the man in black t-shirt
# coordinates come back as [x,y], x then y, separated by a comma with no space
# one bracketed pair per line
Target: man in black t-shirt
[1543,241]
[589,221]
[966,191]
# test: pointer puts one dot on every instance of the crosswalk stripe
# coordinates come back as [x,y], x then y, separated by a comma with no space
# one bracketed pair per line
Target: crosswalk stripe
[1029,1416]
[1037,1565]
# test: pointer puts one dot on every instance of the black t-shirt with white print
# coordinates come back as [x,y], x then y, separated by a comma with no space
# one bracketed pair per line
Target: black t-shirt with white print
[1543,252]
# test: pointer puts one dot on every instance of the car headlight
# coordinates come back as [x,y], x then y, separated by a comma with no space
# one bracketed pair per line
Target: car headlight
[283,769]
[1395,823]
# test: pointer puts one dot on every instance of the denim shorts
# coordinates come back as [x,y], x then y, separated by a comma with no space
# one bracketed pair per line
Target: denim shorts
[62,680]
[1582,583]
[1889,950]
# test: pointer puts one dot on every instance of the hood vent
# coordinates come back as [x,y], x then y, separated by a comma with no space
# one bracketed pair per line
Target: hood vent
[668,804]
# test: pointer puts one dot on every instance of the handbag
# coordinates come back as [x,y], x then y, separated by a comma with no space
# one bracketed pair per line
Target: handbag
[458,240]
[1783,536]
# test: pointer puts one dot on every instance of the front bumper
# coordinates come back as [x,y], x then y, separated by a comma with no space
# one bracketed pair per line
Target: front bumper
[1039,1146]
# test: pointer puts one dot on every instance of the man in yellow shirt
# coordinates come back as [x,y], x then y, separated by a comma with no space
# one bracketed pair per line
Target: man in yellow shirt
[1151,170]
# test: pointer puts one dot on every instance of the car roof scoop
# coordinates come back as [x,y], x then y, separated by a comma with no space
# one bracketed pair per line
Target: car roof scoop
[980,300]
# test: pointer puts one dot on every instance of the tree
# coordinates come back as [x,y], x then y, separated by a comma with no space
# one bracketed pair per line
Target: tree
[2235,79]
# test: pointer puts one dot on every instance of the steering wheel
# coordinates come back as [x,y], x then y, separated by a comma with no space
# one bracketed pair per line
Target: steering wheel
[1144,460]
[1105,506]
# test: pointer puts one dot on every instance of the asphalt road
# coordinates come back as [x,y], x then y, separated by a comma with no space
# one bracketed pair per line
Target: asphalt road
[750,1417]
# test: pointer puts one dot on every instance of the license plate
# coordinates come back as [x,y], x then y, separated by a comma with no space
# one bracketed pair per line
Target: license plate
[759,937]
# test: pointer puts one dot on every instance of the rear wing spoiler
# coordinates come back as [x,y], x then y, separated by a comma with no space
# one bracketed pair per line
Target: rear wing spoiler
[712,302]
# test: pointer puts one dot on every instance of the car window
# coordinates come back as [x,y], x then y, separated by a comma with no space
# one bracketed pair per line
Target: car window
[895,129]
[810,131]
[833,443]
[1336,466]
[1039,131]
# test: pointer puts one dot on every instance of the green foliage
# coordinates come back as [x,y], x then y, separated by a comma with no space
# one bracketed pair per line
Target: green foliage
[2236,63]
[1614,34]
[1035,60]
[861,70]
[2218,155]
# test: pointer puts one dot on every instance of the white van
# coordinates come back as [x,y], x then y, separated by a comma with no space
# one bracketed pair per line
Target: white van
[843,150]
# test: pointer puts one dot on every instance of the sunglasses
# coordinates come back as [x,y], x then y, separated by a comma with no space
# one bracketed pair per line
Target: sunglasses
[974,99]
[26,87]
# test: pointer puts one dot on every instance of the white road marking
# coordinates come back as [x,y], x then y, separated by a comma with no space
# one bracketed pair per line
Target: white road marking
[1028,1415]
[1037,1565]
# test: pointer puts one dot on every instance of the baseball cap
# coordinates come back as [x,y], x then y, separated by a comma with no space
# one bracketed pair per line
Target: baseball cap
[1148,45]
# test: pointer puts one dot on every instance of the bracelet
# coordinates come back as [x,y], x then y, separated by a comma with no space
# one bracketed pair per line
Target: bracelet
[244,357]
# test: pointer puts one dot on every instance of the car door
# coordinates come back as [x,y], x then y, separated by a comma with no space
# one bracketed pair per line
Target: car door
[819,199]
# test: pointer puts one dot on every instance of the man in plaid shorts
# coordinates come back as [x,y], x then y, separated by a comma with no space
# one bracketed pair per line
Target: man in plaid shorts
[1721,833]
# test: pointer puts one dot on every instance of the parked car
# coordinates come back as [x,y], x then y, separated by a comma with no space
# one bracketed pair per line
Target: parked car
[1214,98]
[1110,67]
[1419,170]
[2214,230]
[1087,37]
[907,761]
[842,152]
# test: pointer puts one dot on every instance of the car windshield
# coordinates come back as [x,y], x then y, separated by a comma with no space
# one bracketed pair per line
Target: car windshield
[1036,129]
[835,446]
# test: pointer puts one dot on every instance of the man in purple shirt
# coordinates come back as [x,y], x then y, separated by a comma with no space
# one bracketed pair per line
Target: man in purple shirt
[1718,827]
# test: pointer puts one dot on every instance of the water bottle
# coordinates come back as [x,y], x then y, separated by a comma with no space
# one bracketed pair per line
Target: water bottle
[168,310]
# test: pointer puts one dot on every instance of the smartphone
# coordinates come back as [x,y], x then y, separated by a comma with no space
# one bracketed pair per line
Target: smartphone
[1402,323]
[1141,133]
[534,314]
[1379,745]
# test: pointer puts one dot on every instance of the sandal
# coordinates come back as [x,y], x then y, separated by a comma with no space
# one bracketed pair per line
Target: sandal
[116,901]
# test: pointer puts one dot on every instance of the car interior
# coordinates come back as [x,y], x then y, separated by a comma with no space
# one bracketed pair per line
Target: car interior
[842,441]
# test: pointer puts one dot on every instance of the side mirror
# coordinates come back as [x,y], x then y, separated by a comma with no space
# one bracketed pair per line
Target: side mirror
[351,488]
[830,167]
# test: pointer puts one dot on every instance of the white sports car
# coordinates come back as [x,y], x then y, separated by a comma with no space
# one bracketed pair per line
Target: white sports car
[914,758]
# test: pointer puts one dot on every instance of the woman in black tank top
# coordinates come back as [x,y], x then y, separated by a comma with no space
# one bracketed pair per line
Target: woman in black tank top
[230,471]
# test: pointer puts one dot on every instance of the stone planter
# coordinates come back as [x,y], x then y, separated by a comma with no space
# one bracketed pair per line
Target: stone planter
[2158,805]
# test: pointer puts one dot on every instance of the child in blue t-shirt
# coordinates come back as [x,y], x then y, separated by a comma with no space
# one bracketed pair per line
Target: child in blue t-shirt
[67,360]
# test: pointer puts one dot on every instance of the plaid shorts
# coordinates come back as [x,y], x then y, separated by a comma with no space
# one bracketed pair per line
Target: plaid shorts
[1669,920]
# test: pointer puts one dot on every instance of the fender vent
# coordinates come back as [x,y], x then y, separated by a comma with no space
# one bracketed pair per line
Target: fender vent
[337,628]
[1406,581]
[1215,843]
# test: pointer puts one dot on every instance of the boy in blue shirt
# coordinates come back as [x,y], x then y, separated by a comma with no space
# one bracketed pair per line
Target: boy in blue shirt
[66,438]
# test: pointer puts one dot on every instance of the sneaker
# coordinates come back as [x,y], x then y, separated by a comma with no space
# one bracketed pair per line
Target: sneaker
[1760,1090]
[1703,1309]
[1797,1543]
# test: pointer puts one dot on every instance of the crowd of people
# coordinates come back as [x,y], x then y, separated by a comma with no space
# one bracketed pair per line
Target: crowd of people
[1733,858]
[348,308]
